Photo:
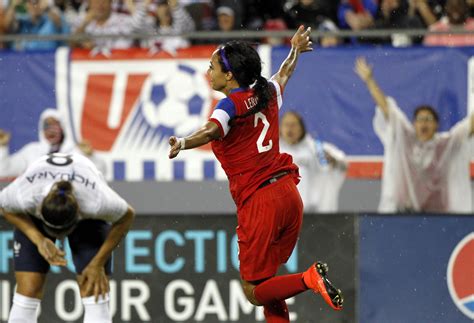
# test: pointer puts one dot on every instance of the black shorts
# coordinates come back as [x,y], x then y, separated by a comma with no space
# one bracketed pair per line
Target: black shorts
[85,241]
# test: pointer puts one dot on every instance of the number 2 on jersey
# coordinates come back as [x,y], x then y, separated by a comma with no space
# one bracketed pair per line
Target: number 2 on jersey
[261,148]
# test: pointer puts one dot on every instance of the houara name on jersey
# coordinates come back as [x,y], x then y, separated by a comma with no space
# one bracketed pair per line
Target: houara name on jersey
[66,176]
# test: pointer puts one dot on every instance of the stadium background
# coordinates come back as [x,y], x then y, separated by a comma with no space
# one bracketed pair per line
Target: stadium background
[179,261]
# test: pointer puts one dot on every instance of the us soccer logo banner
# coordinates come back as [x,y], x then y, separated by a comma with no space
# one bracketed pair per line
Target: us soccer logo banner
[128,103]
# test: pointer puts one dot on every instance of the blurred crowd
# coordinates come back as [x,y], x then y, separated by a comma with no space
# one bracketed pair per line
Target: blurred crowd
[171,19]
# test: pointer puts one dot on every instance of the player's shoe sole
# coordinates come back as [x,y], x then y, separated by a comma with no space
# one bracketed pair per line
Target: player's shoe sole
[315,278]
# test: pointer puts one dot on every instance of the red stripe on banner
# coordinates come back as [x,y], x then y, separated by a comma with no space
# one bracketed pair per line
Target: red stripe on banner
[203,51]
[363,169]
[373,170]
[94,125]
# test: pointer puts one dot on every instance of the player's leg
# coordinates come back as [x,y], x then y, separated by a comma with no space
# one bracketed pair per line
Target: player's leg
[85,242]
[262,226]
[280,202]
[30,274]
[315,278]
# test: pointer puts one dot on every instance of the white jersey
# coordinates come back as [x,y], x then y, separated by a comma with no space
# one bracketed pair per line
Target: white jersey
[95,198]
[320,185]
[423,176]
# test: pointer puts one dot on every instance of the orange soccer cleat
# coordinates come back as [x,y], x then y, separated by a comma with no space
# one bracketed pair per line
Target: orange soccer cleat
[315,278]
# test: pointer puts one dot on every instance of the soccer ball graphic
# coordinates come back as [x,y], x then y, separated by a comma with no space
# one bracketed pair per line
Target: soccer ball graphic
[176,97]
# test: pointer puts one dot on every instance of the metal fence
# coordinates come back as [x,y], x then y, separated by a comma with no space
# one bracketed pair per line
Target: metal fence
[237,34]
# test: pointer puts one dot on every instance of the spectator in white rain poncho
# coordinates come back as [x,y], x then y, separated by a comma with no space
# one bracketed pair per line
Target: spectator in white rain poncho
[424,171]
[52,138]
[322,165]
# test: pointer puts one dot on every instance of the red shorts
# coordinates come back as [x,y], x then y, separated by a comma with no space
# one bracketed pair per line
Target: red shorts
[268,227]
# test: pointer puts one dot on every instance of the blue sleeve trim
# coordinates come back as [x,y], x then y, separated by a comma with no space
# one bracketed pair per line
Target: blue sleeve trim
[227,105]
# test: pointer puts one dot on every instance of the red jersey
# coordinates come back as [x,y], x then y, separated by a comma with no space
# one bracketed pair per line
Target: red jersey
[249,150]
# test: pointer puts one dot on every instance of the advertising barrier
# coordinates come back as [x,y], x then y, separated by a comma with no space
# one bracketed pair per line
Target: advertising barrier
[416,269]
[185,269]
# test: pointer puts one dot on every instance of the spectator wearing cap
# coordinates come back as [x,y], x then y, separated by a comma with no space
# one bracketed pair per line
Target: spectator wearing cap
[225,23]
[329,40]
[238,8]
[42,17]
[225,18]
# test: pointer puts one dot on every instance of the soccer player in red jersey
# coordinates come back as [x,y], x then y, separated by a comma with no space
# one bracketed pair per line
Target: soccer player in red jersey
[243,130]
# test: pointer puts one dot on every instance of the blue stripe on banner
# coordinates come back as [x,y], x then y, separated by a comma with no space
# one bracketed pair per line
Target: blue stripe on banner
[178,170]
[149,170]
[119,170]
[209,169]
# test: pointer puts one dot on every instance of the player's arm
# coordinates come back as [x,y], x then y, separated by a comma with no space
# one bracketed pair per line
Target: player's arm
[46,247]
[93,277]
[300,43]
[210,131]
[364,71]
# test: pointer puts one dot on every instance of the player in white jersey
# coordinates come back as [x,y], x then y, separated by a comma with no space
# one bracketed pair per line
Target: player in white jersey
[62,196]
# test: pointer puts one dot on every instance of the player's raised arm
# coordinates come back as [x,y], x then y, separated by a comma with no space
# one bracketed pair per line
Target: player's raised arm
[364,71]
[300,43]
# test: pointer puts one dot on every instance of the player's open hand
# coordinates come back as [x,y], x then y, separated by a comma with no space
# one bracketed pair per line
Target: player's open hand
[363,69]
[301,40]
[51,253]
[175,147]
[94,281]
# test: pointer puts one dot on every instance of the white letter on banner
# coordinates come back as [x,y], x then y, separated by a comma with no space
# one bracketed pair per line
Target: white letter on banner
[186,302]
[129,301]
[238,301]
[293,315]
[211,302]
[59,301]
[5,297]
[113,297]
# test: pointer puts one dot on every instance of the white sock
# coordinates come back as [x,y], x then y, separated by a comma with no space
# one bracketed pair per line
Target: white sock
[24,309]
[96,312]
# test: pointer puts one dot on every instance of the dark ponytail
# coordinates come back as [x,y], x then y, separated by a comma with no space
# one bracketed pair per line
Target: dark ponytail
[243,61]
[59,208]
[264,95]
